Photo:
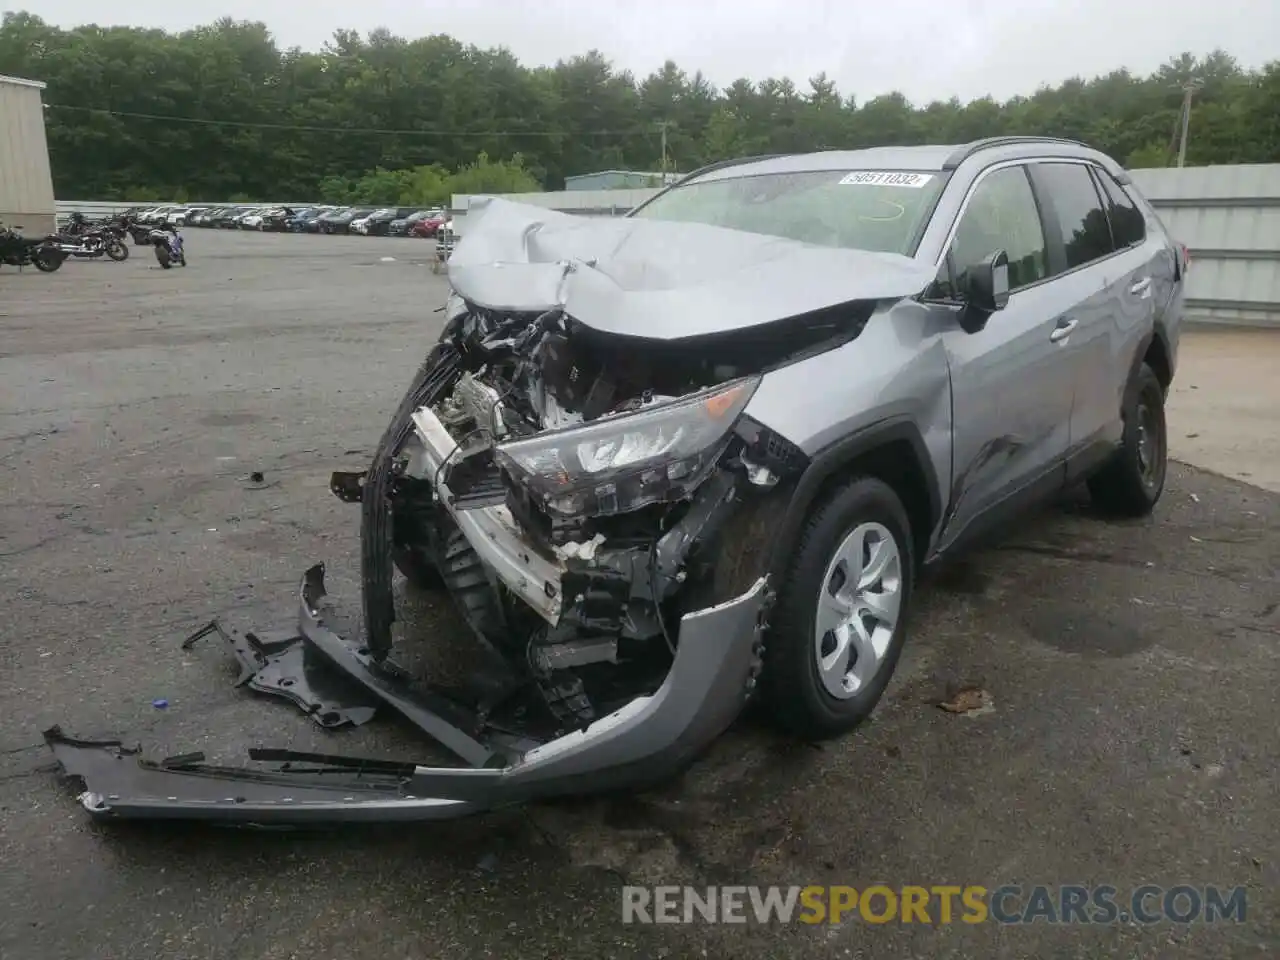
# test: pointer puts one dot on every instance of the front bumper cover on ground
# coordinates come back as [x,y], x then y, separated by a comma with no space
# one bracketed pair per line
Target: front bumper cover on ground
[715,667]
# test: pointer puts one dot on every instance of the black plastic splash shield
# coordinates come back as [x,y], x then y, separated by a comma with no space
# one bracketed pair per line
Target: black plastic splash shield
[434,715]
[282,664]
[120,784]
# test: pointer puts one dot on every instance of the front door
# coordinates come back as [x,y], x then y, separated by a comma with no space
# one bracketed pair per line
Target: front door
[1011,390]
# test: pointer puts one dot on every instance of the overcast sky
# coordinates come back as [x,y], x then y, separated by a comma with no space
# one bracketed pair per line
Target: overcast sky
[928,49]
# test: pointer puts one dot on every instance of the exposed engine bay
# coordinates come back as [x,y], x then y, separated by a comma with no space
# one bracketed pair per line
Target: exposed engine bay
[615,464]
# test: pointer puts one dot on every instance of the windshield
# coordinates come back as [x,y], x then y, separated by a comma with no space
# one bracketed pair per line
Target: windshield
[876,210]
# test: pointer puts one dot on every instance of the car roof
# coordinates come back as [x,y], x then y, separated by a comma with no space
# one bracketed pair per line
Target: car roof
[930,158]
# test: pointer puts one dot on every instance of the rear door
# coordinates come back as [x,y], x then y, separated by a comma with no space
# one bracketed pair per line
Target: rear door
[1105,298]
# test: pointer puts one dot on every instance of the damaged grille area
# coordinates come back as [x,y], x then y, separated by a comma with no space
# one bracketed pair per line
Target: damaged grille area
[571,489]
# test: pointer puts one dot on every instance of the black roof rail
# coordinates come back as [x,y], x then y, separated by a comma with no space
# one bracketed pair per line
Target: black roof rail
[961,154]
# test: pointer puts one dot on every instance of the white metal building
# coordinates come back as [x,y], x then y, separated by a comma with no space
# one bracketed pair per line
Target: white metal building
[26,185]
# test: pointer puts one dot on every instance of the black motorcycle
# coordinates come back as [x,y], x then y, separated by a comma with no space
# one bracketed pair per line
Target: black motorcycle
[19,251]
[140,232]
[92,244]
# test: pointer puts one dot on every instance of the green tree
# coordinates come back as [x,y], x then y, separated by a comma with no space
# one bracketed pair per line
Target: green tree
[493,176]
[221,111]
[1147,156]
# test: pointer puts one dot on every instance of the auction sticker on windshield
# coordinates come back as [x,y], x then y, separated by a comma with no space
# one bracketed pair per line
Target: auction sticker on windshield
[883,178]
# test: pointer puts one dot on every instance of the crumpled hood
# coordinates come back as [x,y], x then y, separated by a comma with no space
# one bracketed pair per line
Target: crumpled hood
[660,279]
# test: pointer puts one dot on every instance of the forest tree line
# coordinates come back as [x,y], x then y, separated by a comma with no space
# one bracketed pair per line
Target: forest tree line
[221,112]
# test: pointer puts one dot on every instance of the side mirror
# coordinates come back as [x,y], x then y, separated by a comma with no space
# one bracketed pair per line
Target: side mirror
[986,291]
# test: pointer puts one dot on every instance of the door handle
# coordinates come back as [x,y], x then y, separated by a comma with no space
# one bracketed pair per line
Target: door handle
[1063,329]
[1141,286]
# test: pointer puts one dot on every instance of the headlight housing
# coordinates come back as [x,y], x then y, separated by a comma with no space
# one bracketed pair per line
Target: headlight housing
[625,462]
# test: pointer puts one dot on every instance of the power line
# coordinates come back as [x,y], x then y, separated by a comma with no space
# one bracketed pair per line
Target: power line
[308,128]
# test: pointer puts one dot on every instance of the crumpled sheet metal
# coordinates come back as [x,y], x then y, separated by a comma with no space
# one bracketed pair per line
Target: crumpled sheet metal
[657,279]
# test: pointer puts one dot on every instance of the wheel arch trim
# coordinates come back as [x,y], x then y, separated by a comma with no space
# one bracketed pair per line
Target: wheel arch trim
[826,463]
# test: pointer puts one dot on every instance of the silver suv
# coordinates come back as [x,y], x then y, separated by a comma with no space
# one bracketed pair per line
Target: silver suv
[741,419]
[667,462]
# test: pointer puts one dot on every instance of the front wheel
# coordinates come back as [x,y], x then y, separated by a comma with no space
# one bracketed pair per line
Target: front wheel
[1131,483]
[117,251]
[162,256]
[840,620]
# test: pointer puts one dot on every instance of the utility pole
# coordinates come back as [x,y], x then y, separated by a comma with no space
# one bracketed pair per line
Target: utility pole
[1188,88]
[662,126]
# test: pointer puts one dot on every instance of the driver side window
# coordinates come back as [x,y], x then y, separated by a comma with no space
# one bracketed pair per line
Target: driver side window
[1001,215]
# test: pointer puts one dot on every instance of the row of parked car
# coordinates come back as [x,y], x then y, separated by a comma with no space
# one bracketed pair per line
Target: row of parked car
[364,221]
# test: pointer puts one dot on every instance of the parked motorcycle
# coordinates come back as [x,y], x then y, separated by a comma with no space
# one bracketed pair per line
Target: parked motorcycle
[19,251]
[169,248]
[128,225]
[92,244]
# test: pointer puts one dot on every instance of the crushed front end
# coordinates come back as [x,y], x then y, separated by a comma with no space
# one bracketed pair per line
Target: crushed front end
[599,504]
[599,513]
[581,496]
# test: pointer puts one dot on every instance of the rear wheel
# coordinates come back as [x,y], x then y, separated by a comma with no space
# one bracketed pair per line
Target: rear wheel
[1131,483]
[117,251]
[47,261]
[840,620]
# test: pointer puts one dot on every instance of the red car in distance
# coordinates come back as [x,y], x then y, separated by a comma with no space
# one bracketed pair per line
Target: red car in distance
[429,225]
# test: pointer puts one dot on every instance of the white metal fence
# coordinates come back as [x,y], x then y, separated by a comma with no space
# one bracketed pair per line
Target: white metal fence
[1229,216]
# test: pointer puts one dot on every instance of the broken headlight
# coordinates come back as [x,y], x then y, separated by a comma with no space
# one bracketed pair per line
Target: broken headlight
[621,463]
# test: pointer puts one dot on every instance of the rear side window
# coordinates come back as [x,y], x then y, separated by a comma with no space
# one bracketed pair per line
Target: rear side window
[1086,234]
[1128,225]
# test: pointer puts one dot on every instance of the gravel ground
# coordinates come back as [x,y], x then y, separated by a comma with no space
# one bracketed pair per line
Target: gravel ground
[1132,669]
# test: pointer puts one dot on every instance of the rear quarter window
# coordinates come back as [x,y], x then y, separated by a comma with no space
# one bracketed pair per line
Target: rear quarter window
[1128,225]
[1082,221]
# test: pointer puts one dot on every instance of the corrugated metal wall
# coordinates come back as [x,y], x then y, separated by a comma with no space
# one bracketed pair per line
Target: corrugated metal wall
[1229,216]
[26,186]
[616,180]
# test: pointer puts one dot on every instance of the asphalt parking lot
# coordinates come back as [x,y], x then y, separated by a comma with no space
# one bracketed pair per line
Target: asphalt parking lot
[1133,670]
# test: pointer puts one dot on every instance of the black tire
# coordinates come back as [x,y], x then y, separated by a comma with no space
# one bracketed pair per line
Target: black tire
[1130,484]
[162,256]
[48,262]
[117,251]
[791,686]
